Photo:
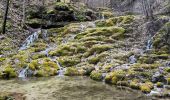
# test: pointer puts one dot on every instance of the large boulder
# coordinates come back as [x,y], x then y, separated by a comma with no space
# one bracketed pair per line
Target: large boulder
[162,38]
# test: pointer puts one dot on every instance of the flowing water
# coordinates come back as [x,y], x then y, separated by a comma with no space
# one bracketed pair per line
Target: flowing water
[103,17]
[68,88]
[132,59]
[149,43]
[23,73]
[30,40]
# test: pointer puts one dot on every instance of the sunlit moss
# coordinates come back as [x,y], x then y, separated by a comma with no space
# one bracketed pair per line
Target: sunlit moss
[9,72]
[96,75]
[115,76]
[71,71]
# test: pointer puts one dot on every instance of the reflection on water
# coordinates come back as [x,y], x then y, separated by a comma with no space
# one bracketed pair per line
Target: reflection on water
[68,88]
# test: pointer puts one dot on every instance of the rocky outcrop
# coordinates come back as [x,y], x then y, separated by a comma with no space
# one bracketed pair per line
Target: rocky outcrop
[57,15]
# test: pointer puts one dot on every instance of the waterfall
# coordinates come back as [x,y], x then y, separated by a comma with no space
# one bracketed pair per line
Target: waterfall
[30,40]
[149,43]
[132,59]
[92,24]
[82,27]
[61,69]
[103,17]
[23,73]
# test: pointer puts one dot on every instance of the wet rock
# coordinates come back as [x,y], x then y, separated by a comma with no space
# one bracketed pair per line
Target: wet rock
[158,77]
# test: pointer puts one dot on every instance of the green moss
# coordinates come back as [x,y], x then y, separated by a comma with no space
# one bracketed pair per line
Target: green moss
[168,80]
[134,85]
[159,84]
[122,83]
[37,56]
[68,61]
[34,22]
[34,65]
[61,6]
[71,71]
[146,87]
[115,76]
[97,49]
[97,58]
[9,72]
[40,73]
[121,20]
[145,66]
[2,59]
[96,75]
[68,50]
[162,37]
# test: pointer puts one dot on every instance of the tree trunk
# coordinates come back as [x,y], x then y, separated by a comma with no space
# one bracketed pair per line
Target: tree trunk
[5,17]
[24,8]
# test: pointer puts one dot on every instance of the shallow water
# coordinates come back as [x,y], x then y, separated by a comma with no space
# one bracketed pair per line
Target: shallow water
[68,88]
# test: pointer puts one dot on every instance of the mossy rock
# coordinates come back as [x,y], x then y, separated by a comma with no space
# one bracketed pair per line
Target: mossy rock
[162,38]
[123,83]
[40,73]
[68,50]
[95,75]
[146,87]
[9,72]
[121,20]
[71,71]
[61,6]
[97,58]
[68,61]
[97,49]
[115,76]
[134,85]
[159,84]
[168,80]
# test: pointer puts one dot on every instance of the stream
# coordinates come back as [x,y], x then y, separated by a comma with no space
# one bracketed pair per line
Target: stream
[68,88]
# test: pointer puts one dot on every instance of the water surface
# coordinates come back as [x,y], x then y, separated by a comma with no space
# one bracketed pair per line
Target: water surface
[68,88]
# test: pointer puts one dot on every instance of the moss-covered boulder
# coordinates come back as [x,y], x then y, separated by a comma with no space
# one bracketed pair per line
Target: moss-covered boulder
[71,71]
[161,40]
[95,75]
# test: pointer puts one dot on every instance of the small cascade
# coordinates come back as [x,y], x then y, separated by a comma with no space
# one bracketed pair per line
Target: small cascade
[30,40]
[23,73]
[132,59]
[46,51]
[61,69]
[82,27]
[149,43]
[103,17]
[92,24]
[44,34]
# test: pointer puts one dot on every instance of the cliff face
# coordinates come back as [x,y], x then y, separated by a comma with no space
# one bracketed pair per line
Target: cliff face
[124,50]
[131,6]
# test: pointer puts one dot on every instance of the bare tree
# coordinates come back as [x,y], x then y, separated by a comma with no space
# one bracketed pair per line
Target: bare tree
[147,9]
[5,17]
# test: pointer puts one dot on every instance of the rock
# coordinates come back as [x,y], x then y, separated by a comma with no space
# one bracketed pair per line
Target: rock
[158,77]
[2,37]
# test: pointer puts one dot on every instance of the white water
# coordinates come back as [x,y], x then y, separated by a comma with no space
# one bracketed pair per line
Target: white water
[103,17]
[149,45]
[92,24]
[30,40]
[132,59]
[82,27]
[23,73]
[54,59]
[61,70]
